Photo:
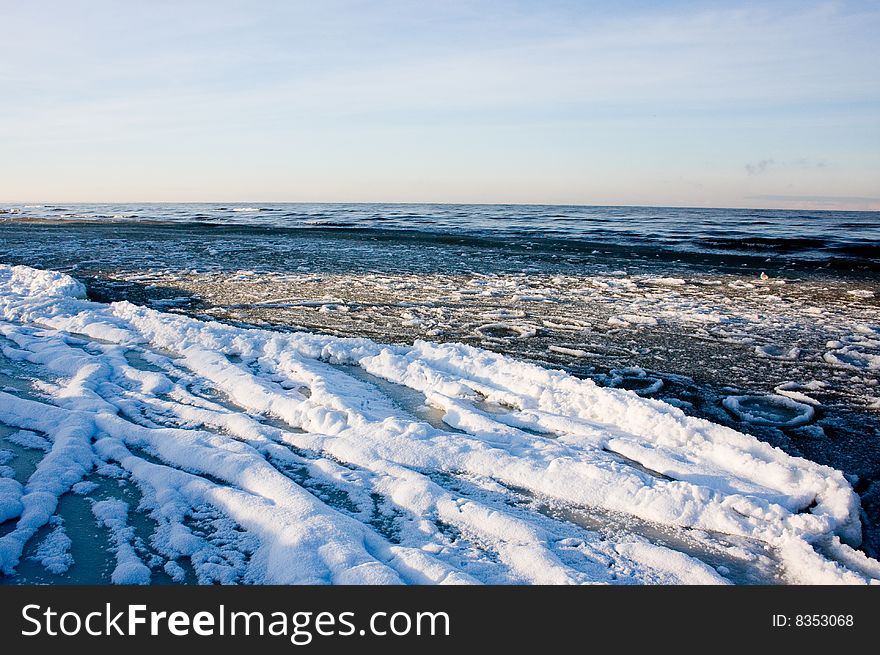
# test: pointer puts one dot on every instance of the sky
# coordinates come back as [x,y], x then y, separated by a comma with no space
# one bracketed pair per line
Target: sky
[721,104]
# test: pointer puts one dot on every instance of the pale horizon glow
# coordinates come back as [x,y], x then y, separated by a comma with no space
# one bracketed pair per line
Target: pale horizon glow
[712,104]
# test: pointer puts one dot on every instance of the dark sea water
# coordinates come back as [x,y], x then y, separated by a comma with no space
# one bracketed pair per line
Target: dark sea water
[829,237]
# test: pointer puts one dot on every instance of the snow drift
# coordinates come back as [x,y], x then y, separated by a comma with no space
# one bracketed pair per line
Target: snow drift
[348,461]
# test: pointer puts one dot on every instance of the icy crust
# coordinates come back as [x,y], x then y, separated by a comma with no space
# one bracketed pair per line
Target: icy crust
[340,477]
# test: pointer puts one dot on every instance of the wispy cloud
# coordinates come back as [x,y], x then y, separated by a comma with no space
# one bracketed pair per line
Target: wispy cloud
[799,163]
[760,166]
[806,163]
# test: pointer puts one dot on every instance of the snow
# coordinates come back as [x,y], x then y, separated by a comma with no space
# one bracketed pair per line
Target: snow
[174,571]
[308,473]
[130,570]
[29,440]
[69,459]
[54,551]
[680,567]
[26,281]
[84,488]
[10,499]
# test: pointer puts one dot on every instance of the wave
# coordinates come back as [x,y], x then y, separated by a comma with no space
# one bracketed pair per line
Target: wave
[748,242]
[330,223]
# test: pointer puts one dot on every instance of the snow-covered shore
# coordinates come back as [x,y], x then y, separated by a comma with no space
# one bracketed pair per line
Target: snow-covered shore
[348,461]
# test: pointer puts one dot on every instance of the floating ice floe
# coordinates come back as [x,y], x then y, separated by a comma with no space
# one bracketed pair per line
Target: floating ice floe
[769,410]
[571,352]
[635,379]
[626,320]
[778,352]
[330,460]
[853,357]
[502,330]
[666,281]
[795,391]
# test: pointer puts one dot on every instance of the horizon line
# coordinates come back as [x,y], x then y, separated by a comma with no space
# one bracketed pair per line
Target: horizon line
[425,202]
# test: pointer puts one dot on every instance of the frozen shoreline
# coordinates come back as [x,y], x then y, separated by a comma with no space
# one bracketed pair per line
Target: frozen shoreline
[325,476]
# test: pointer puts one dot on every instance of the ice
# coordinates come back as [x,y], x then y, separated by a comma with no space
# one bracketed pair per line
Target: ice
[769,410]
[792,390]
[635,379]
[627,320]
[306,473]
[705,324]
[853,357]
[666,281]
[571,352]
[502,330]
[778,352]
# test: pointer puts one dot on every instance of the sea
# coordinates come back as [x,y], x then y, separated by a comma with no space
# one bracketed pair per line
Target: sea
[820,238]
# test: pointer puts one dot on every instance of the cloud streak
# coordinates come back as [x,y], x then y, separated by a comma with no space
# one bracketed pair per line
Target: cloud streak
[760,166]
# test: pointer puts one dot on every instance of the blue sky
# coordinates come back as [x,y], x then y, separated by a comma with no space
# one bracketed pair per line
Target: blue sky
[765,104]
